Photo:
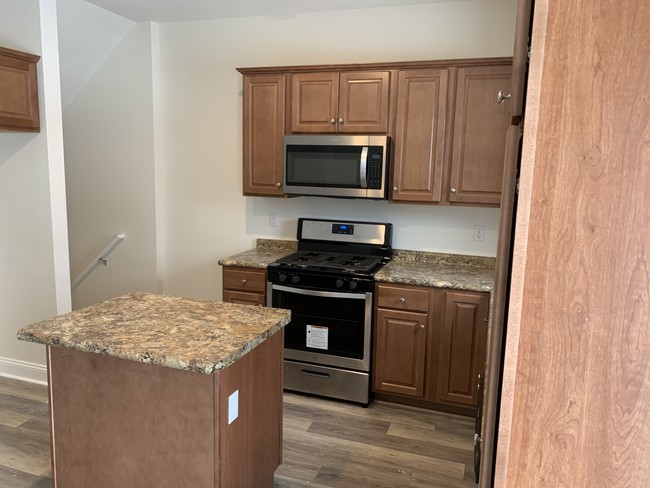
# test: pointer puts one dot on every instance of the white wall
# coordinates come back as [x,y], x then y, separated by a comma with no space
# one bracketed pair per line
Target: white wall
[34,274]
[203,214]
[110,171]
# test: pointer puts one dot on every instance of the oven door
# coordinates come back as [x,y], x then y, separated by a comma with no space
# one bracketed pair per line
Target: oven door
[329,328]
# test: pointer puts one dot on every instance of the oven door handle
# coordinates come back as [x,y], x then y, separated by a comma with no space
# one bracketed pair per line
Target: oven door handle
[316,293]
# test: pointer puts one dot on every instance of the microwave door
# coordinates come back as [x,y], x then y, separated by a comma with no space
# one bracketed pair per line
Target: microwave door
[363,168]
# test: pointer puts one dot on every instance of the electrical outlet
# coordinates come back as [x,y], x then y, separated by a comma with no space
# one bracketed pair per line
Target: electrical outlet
[479,233]
[273,219]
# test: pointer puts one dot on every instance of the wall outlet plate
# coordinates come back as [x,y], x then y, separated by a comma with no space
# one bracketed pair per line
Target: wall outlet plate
[273,219]
[479,233]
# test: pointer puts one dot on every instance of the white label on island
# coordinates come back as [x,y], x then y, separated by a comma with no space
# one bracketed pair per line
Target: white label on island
[233,407]
[317,336]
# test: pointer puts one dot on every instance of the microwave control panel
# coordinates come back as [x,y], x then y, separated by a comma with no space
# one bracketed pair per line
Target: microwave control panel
[374,168]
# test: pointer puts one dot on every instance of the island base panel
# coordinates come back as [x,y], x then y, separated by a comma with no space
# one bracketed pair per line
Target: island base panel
[123,423]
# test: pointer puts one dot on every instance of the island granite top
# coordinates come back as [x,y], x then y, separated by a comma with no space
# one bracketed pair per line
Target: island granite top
[194,335]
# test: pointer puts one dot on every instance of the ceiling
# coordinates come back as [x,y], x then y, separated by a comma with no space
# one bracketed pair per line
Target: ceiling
[188,10]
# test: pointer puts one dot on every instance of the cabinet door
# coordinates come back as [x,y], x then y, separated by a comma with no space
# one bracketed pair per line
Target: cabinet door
[419,137]
[18,91]
[244,298]
[479,137]
[244,279]
[462,346]
[264,102]
[314,102]
[400,348]
[363,102]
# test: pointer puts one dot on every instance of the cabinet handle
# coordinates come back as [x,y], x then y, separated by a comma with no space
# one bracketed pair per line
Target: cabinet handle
[421,326]
[453,190]
[243,282]
[278,185]
[340,121]
[395,189]
[402,299]
[501,97]
[333,121]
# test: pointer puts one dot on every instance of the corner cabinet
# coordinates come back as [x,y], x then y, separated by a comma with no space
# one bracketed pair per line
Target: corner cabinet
[264,105]
[429,346]
[347,102]
[246,286]
[18,91]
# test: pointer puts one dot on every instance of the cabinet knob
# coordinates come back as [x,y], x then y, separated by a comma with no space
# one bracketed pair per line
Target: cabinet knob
[333,121]
[340,121]
[501,97]
[395,189]
[453,190]
[278,185]
[421,326]
[402,299]
[243,282]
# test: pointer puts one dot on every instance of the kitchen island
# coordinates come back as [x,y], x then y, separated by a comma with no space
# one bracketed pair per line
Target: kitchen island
[151,390]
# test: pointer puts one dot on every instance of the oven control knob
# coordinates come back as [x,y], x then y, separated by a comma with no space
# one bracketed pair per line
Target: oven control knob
[295,279]
[353,284]
[283,277]
[339,283]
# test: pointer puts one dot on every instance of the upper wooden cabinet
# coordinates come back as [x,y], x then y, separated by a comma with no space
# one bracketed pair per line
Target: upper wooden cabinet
[347,102]
[264,105]
[420,135]
[450,135]
[479,134]
[18,91]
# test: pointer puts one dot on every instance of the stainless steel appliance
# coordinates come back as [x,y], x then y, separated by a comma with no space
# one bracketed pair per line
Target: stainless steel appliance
[353,166]
[328,285]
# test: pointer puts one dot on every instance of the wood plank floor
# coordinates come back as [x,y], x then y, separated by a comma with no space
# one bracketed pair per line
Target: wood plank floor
[327,444]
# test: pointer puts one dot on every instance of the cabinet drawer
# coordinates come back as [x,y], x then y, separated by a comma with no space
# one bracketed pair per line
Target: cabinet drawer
[244,280]
[244,298]
[403,298]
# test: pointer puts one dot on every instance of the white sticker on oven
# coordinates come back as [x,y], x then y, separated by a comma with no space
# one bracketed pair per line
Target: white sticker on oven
[317,336]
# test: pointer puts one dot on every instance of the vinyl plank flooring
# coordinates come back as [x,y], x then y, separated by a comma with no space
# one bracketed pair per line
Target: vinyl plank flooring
[327,444]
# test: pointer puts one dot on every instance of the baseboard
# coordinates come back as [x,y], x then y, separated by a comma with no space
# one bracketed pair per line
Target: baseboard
[22,370]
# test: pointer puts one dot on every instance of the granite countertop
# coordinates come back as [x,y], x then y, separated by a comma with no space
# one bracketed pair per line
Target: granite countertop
[418,268]
[266,251]
[194,335]
[472,273]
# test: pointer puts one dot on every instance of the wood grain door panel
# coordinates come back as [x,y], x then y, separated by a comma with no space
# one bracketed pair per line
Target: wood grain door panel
[363,102]
[400,352]
[19,109]
[314,102]
[419,137]
[480,124]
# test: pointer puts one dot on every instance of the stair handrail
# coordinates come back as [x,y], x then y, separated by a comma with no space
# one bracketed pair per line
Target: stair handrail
[100,259]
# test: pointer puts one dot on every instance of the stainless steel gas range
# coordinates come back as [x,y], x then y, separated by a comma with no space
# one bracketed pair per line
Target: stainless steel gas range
[328,285]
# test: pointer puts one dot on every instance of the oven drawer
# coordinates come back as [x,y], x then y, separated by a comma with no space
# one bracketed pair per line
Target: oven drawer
[343,384]
[250,280]
[403,298]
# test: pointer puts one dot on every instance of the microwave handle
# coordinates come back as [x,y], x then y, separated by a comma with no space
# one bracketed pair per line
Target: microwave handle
[363,167]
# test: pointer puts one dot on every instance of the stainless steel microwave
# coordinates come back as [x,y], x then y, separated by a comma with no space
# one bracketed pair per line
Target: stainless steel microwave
[352,166]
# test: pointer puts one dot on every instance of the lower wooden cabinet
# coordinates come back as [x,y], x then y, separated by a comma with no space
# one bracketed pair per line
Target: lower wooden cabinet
[244,285]
[430,346]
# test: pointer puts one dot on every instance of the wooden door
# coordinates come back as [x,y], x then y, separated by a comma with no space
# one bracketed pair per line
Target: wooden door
[264,102]
[400,352]
[363,102]
[462,346]
[479,136]
[314,102]
[419,137]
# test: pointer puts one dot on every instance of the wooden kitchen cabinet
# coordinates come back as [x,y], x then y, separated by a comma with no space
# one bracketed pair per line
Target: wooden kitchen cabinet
[401,340]
[264,116]
[429,346]
[462,346]
[246,286]
[479,134]
[346,102]
[450,135]
[18,91]
[420,135]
